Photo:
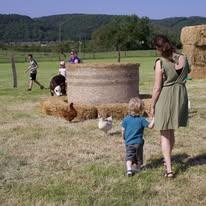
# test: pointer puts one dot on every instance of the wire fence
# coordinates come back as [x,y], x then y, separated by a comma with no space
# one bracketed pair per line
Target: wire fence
[20,57]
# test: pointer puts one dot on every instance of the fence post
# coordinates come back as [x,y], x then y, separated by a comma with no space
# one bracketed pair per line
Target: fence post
[13,66]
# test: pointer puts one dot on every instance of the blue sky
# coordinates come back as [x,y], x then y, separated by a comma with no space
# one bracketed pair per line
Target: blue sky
[154,9]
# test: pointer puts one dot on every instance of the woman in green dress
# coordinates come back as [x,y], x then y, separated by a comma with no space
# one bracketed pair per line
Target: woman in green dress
[169,97]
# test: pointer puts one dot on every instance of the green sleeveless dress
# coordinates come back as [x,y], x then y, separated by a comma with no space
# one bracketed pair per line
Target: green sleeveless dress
[171,109]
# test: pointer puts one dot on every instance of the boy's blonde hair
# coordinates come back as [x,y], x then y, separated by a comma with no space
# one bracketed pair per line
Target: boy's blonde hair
[136,106]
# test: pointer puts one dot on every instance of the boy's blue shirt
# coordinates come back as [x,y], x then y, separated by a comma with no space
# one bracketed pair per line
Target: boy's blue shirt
[134,129]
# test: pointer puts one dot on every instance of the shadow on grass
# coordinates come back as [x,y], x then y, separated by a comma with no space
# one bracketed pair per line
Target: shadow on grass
[114,133]
[145,96]
[181,161]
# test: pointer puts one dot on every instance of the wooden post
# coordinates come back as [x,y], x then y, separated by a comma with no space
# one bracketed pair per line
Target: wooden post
[13,66]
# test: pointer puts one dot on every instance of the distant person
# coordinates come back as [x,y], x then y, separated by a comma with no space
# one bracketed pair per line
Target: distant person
[74,59]
[32,68]
[169,98]
[132,131]
[62,68]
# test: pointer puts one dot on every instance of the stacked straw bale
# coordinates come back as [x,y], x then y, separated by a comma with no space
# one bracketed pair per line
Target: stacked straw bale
[59,107]
[193,39]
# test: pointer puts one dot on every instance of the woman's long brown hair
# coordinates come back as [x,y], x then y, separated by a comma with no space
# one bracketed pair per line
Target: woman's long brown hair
[165,47]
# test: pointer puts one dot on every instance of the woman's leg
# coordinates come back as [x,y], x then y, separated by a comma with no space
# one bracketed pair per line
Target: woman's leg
[172,139]
[167,142]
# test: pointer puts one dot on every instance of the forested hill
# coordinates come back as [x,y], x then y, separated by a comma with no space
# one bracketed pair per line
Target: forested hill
[175,24]
[74,26]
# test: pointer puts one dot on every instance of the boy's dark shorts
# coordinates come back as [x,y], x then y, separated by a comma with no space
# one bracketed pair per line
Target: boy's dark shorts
[32,76]
[134,153]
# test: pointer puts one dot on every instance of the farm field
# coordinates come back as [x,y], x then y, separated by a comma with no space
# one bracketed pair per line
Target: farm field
[47,161]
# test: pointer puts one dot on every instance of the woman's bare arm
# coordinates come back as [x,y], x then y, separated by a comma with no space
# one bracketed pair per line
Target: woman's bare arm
[157,85]
[181,63]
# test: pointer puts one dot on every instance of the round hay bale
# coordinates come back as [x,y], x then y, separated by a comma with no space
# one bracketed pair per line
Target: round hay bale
[102,83]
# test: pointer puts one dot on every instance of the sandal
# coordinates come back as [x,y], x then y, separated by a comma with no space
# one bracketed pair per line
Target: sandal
[129,173]
[166,173]
[169,175]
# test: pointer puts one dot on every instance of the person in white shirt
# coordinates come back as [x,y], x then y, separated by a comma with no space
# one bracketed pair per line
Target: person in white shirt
[32,68]
[62,69]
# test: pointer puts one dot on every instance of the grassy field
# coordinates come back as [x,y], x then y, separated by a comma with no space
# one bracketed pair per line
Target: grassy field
[47,161]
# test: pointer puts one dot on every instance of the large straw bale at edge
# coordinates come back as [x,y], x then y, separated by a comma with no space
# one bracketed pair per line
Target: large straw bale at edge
[188,50]
[196,55]
[198,72]
[193,35]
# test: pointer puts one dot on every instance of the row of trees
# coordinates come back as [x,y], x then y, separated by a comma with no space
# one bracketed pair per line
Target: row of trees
[120,33]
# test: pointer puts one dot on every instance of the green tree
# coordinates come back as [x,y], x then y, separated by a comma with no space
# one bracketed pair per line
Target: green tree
[62,48]
[122,32]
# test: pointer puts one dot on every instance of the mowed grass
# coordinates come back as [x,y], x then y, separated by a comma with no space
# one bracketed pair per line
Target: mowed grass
[47,161]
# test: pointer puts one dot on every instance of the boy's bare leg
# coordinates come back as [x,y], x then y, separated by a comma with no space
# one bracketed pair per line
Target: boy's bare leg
[40,85]
[30,84]
[129,165]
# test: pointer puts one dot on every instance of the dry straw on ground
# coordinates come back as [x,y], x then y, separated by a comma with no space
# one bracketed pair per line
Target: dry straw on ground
[58,106]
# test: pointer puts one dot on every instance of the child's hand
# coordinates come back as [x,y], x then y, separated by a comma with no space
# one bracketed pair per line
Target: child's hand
[152,112]
[151,124]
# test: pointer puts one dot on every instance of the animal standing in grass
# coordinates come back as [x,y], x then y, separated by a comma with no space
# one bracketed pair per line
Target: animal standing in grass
[58,85]
[105,124]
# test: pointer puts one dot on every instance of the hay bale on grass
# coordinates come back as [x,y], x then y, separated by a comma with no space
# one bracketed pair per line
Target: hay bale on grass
[85,112]
[55,106]
[117,111]
[59,107]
